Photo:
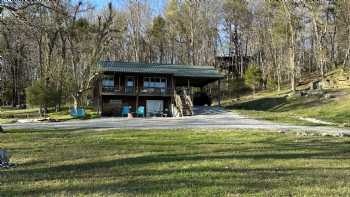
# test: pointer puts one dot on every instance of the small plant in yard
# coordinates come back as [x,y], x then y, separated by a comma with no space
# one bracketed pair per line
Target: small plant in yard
[5,159]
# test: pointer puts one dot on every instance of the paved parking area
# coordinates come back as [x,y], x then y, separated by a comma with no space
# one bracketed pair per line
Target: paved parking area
[205,117]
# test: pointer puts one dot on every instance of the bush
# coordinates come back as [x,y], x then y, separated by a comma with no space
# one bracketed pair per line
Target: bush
[41,94]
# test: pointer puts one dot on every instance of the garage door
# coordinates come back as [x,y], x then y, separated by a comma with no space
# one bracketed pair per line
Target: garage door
[154,107]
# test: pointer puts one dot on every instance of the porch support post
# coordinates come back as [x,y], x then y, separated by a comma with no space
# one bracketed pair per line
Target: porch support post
[99,97]
[219,93]
[172,93]
[119,82]
[137,91]
[189,89]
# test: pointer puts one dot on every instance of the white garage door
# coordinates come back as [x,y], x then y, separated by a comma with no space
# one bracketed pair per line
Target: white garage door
[154,107]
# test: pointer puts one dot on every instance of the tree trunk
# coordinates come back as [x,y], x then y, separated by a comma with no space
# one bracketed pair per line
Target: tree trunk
[348,49]
[76,101]
[172,50]
[278,76]
[291,58]
[291,53]
[41,111]
[254,91]
[192,33]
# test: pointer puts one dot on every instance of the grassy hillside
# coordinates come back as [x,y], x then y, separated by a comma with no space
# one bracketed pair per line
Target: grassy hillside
[174,163]
[280,107]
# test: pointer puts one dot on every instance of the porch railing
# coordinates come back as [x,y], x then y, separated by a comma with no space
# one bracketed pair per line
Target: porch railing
[132,91]
[156,91]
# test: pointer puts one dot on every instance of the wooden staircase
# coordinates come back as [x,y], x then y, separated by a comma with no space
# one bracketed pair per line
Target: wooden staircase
[183,103]
[187,106]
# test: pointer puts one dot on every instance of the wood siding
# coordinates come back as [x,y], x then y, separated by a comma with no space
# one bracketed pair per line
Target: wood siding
[114,99]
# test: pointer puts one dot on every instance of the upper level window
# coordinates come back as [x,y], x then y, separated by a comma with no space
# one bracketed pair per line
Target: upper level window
[130,83]
[154,82]
[108,81]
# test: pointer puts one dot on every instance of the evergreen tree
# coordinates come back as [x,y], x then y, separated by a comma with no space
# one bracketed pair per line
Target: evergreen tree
[253,77]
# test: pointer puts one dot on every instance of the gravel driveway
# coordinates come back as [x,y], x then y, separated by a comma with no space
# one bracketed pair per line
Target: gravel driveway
[205,117]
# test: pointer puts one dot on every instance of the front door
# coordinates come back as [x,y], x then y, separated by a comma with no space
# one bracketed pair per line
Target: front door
[154,107]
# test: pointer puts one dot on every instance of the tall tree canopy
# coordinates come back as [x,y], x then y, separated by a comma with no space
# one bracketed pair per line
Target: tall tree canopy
[61,41]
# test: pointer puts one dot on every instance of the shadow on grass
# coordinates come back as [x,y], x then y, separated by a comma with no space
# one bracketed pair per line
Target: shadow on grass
[301,104]
[262,104]
[149,183]
[133,180]
[279,104]
[49,130]
[156,159]
[195,169]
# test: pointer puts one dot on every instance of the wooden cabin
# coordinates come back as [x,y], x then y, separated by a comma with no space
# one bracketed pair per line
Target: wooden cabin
[163,89]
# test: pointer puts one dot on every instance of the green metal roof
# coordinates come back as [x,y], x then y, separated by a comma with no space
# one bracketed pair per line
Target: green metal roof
[176,70]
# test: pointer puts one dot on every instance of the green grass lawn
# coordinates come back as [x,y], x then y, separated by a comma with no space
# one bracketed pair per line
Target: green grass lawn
[8,113]
[279,107]
[64,115]
[7,121]
[174,163]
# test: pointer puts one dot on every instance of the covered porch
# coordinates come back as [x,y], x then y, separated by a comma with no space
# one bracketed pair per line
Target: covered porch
[168,88]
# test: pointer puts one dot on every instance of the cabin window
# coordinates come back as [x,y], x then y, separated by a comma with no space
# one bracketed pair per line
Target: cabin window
[146,84]
[130,83]
[154,82]
[108,81]
[163,83]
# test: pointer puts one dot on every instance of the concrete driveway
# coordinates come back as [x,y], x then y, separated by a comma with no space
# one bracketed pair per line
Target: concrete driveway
[205,117]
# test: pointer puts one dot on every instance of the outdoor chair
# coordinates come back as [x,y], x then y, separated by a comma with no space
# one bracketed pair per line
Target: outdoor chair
[125,111]
[140,111]
[78,112]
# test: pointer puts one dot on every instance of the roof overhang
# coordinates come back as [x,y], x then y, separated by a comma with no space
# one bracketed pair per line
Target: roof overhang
[196,75]
[195,81]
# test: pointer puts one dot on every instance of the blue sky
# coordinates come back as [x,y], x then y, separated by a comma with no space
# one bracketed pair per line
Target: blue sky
[157,6]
